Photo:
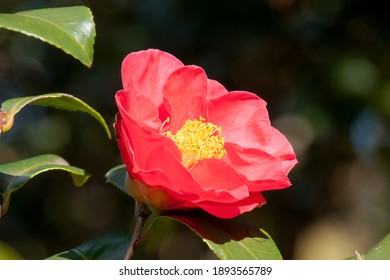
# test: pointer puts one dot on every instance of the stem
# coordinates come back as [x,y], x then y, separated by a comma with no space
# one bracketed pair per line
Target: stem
[141,213]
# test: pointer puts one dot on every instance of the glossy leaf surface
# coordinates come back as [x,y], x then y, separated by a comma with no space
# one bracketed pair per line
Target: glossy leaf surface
[117,177]
[63,101]
[14,175]
[70,29]
[380,251]
[233,239]
[111,246]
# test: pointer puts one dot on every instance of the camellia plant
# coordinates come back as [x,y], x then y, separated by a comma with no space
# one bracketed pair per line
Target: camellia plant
[192,151]
[189,144]
[71,29]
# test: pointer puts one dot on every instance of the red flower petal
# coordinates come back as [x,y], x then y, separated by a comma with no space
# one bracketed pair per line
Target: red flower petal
[156,181]
[243,118]
[181,181]
[139,107]
[125,148]
[193,186]
[149,70]
[262,170]
[231,210]
[281,147]
[137,143]
[185,94]
[215,89]
[219,180]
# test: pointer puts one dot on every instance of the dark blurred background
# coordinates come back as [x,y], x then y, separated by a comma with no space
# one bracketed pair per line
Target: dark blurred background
[322,66]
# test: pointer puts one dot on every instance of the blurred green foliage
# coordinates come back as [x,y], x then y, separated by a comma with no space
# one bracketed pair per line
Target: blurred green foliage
[323,66]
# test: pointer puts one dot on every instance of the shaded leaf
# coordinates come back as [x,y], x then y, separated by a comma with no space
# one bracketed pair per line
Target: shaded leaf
[70,29]
[11,107]
[117,177]
[14,175]
[111,246]
[233,239]
[8,253]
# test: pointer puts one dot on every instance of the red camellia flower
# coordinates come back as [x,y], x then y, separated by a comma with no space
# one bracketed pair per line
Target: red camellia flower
[188,143]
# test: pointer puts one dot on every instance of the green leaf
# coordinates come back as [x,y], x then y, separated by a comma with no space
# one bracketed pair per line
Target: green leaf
[380,251]
[248,248]
[64,101]
[111,246]
[14,175]
[8,253]
[232,239]
[117,177]
[71,29]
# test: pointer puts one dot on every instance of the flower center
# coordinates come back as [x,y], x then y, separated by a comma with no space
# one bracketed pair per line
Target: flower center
[198,140]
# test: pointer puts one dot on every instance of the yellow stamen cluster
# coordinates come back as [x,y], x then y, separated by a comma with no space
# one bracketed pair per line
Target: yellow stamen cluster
[198,140]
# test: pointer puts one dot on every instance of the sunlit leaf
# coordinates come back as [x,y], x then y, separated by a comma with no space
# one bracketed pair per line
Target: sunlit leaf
[248,248]
[233,239]
[117,177]
[380,251]
[14,175]
[71,29]
[64,101]
[111,246]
